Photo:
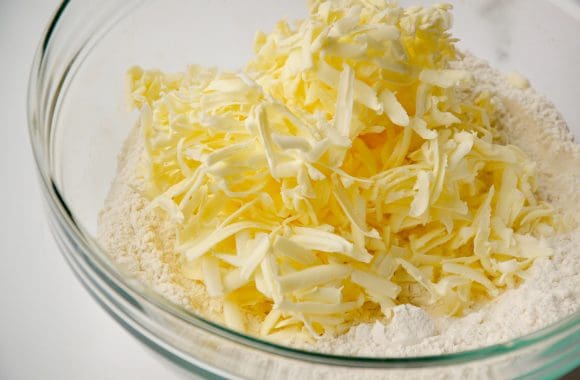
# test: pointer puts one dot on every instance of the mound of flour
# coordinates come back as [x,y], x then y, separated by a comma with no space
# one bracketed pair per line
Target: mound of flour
[140,241]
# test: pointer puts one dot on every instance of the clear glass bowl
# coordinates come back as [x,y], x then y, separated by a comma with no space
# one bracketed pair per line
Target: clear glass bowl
[78,121]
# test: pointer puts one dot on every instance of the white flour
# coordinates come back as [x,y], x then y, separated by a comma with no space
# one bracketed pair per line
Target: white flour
[141,241]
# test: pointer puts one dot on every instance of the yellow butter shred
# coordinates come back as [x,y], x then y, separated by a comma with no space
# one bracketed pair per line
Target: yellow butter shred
[339,174]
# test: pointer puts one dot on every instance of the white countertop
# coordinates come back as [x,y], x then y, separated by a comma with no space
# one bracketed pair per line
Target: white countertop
[50,328]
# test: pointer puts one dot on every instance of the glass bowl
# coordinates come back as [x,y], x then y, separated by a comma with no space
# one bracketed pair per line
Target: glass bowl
[78,120]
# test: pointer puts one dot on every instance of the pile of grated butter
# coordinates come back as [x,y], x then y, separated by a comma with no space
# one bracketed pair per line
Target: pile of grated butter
[340,174]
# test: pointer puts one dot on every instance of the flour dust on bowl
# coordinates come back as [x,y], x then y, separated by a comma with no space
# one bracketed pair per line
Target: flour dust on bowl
[362,189]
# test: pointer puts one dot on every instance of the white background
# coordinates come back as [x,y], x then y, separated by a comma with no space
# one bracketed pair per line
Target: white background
[50,328]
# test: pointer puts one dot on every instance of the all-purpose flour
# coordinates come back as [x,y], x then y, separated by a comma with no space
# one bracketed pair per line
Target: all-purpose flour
[140,240]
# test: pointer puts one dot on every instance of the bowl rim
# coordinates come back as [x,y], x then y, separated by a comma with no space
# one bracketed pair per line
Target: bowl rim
[87,247]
